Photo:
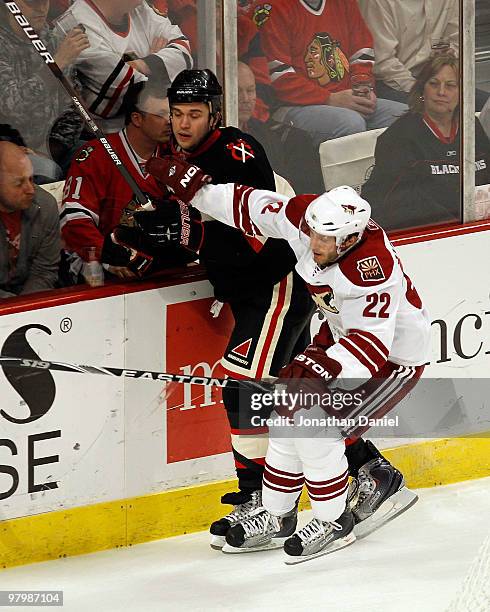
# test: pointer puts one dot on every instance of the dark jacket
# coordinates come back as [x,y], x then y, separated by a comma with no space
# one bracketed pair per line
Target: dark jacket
[40,245]
[416,177]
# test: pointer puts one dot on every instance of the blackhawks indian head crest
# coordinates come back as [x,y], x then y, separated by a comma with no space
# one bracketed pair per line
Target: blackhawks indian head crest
[325,61]
[261,14]
[370,269]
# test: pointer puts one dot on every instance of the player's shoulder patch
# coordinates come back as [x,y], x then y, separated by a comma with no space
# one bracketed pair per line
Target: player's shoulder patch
[84,154]
[261,14]
[370,269]
[296,207]
[240,150]
[371,263]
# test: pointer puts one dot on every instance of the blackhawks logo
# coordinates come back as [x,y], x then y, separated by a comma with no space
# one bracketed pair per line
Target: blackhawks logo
[84,153]
[370,269]
[261,14]
[240,150]
[325,61]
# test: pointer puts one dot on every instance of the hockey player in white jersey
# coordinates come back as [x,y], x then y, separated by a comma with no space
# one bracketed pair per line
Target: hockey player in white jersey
[375,329]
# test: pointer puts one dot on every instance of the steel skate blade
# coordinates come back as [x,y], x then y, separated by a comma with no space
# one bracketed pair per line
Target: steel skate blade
[334,547]
[217,542]
[395,505]
[272,545]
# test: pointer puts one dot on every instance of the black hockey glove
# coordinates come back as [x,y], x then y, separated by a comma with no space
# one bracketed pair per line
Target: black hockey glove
[122,249]
[173,223]
[181,178]
[161,227]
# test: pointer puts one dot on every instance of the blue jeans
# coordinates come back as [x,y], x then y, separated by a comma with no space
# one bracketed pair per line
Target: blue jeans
[325,122]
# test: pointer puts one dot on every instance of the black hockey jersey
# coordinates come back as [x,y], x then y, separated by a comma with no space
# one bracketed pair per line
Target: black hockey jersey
[238,266]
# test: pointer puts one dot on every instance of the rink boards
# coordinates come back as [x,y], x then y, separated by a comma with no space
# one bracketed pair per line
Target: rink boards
[89,462]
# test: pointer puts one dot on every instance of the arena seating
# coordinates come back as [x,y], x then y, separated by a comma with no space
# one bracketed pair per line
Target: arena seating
[346,160]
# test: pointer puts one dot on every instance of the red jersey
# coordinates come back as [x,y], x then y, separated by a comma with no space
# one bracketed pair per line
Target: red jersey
[312,53]
[96,193]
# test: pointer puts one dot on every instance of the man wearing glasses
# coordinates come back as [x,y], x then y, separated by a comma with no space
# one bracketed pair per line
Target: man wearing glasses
[96,193]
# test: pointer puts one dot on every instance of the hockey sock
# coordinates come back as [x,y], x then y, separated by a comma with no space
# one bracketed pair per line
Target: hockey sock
[359,452]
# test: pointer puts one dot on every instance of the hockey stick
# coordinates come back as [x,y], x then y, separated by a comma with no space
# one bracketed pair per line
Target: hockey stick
[40,47]
[19,362]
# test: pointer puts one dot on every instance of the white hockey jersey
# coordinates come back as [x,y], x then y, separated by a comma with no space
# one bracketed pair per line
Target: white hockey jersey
[372,308]
[102,70]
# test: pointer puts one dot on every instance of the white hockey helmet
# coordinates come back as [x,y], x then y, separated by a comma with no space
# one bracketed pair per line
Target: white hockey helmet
[340,212]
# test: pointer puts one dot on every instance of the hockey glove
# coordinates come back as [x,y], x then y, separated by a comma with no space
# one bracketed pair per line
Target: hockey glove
[308,375]
[121,248]
[161,227]
[173,223]
[181,178]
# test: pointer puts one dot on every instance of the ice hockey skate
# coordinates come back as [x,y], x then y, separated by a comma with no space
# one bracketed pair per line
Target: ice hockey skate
[377,496]
[263,531]
[319,538]
[245,504]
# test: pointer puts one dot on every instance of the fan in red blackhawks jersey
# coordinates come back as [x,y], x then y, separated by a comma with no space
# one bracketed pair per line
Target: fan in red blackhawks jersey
[375,329]
[97,208]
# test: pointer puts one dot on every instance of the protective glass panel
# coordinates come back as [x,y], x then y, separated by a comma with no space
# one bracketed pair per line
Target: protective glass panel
[334,101]
[55,51]
[482,107]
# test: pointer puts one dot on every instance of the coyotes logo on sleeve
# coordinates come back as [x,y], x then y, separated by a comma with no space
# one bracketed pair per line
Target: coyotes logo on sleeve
[324,298]
[240,150]
[370,269]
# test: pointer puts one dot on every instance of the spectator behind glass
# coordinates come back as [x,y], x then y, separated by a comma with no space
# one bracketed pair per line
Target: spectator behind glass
[250,52]
[404,34]
[129,41]
[182,13]
[96,193]
[290,150]
[32,99]
[416,180]
[314,49]
[29,228]
[56,8]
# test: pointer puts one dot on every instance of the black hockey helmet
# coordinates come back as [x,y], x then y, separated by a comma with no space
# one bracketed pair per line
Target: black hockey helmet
[196,86]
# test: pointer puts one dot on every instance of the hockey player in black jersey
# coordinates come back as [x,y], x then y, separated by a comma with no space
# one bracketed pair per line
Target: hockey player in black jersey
[269,301]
